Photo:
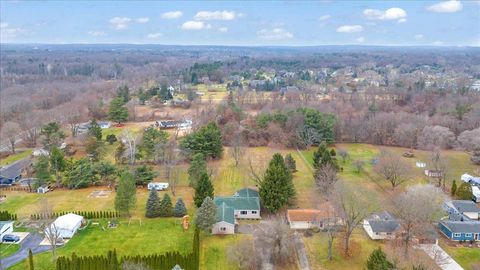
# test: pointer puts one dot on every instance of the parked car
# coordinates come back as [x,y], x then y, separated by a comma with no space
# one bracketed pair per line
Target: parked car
[10,238]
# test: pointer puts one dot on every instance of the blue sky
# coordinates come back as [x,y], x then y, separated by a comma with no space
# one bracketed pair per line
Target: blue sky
[296,23]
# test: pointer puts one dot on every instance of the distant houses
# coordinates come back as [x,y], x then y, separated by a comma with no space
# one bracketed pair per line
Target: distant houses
[12,173]
[381,225]
[463,222]
[244,204]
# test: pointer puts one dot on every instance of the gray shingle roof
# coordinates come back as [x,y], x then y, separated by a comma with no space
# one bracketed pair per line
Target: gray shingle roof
[463,206]
[15,169]
[462,226]
[383,222]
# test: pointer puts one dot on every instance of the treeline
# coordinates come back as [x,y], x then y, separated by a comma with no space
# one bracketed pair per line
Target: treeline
[5,215]
[85,214]
[166,261]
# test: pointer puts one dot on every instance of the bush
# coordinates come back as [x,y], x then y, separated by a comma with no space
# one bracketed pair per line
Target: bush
[464,191]
[111,138]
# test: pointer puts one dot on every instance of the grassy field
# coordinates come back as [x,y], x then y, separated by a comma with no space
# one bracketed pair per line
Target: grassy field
[131,239]
[213,254]
[8,249]
[15,157]
[463,255]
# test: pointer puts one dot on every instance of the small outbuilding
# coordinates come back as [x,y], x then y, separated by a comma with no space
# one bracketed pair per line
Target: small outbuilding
[43,189]
[67,225]
[6,227]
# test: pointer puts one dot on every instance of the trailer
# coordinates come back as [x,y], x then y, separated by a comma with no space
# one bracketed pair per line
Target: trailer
[157,186]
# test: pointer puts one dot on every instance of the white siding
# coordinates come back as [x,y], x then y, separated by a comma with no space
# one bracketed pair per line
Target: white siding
[471,215]
[300,225]
[248,215]
[223,228]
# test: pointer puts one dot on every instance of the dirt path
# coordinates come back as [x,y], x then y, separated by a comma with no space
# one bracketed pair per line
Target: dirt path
[301,252]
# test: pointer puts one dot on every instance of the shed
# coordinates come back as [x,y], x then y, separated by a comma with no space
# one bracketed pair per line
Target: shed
[43,189]
[66,225]
[6,227]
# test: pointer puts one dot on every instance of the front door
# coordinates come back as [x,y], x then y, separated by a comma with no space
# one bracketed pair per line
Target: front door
[477,236]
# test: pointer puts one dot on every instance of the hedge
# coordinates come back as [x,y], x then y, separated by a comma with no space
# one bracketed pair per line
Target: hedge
[5,215]
[85,214]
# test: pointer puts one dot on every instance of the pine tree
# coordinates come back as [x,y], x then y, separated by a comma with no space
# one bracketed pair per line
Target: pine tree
[203,189]
[197,167]
[453,190]
[378,261]
[464,192]
[322,156]
[117,111]
[95,130]
[206,215]
[125,197]
[166,209]
[180,209]
[207,140]
[41,172]
[276,189]
[153,205]
[30,259]
[290,163]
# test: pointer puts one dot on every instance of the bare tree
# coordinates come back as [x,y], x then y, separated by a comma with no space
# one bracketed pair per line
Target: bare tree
[352,208]
[275,242]
[416,209]
[440,164]
[170,161]
[10,131]
[358,165]
[130,141]
[52,233]
[243,255]
[343,153]
[325,177]
[392,168]
[237,151]
[308,136]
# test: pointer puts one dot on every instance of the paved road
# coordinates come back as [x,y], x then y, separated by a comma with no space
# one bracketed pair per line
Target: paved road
[32,241]
[441,258]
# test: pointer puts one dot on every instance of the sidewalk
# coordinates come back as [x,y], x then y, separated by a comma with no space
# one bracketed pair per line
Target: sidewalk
[441,257]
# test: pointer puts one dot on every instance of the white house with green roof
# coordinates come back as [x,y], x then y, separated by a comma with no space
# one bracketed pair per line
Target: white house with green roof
[244,204]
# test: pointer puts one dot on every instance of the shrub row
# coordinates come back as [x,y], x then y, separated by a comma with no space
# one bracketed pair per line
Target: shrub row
[5,215]
[164,261]
[85,214]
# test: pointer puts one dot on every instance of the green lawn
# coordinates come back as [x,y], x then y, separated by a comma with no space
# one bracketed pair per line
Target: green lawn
[15,157]
[213,254]
[8,249]
[463,255]
[152,236]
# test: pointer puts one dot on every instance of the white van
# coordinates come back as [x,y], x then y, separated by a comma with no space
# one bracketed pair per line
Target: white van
[157,186]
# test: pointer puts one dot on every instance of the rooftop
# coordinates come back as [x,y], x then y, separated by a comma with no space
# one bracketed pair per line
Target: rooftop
[15,169]
[463,206]
[239,203]
[462,226]
[225,213]
[383,222]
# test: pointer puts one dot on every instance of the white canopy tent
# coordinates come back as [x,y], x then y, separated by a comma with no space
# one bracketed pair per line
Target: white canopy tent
[66,226]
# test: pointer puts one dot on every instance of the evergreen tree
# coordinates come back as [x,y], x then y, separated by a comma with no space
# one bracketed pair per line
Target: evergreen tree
[164,93]
[117,111]
[203,189]
[166,209]
[119,153]
[276,188]
[30,259]
[106,171]
[322,156]
[207,140]
[198,166]
[123,93]
[206,215]
[125,197]
[151,138]
[94,148]
[42,173]
[464,192]
[94,130]
[180,209]
[153,204]
[111,138]
[57,162]
[453,190]
[378,261]
[80,174]
[52,135]
[290,163]
[144,175]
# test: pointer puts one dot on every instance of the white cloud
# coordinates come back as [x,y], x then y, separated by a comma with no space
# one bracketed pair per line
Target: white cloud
[143,20]
[324,17]
[193,25]
[120,23]
[418,36]
[224,15]
[172,15]
[274,34]
[386,15]
[154,35]
[449,6]
[3,25]
[403,20]
[96,33]
[223,29]
[438,43]
[360,39]
[350,29]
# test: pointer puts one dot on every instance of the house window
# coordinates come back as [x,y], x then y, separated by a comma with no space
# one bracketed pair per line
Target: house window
[468,235]
[243,212]
[457,234]
[223,229]
[254,212]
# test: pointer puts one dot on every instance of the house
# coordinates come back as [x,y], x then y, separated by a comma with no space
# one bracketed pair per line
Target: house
[43,189]
[470,179]
[66,226]
[12,173]
[434,173]
[244,204]
[40,152]
[6,227]
[381,225]
[461,230]
[302,219]
[464,208]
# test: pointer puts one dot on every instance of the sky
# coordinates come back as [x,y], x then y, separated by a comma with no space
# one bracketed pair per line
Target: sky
[243,23]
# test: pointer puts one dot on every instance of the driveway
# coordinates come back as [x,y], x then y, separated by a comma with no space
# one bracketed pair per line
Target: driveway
[32,241]
[301,252]
[441,258]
